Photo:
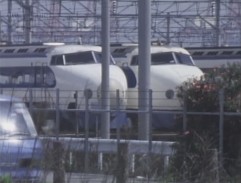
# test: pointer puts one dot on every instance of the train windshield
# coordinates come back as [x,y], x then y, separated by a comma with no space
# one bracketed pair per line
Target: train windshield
[162,58]
[78,58]
[184,59]
[98,57]
[157,59]
[166,58]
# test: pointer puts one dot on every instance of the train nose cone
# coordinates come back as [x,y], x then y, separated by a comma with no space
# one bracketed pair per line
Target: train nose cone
[186,73]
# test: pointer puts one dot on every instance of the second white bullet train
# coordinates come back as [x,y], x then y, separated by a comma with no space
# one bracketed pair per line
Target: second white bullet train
[170,68]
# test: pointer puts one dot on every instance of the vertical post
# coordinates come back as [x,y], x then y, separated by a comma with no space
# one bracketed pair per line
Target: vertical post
[28,18]
[88,95]
[184,128]
[150,135]
[0,27]
[150,121]
[122,167]
[221,114]
[76,113]
[117,113]
[168,29]
[105,96]
[100,161]
[58,153]
[144,37]
[132,163]
[123,159]
[217,22]
[9,21]
[31,101]
[58,156]
[214,167]
[57,114]
[166,163]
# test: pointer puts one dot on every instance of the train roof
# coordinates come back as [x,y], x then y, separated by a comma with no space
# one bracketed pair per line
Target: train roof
[124,49]
[42,50]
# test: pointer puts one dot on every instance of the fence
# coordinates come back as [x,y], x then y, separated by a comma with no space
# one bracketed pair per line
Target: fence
[48,111]
[122,155]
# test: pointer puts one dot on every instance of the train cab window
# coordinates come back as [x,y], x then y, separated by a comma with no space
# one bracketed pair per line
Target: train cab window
[157,59]
[162,58]
[57,60]
[184,59]
[88,57]
[98,58]
[79,58]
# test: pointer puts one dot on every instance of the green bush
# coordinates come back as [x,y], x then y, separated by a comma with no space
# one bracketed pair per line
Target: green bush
[192,159]
[5,179]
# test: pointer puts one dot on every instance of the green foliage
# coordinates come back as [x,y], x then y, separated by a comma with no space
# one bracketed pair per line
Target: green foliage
[193,160]
[204,96]
[5,179]
[196,93]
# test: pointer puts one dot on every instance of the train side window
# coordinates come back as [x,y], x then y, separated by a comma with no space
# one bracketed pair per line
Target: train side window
[3,79]
[44,77]
[39,50]
[20,79]
[26,77]
[238,53]
[9,51]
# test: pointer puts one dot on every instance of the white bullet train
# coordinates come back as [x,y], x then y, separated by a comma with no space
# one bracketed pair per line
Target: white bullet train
[170,67]
[69,68]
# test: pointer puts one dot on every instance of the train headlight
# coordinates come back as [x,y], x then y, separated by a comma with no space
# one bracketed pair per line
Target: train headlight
[170,94]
